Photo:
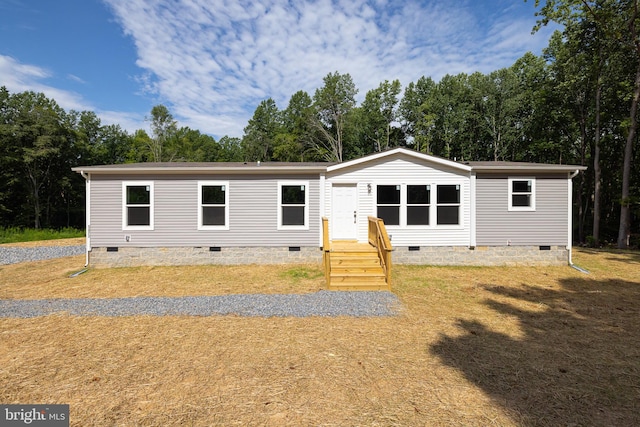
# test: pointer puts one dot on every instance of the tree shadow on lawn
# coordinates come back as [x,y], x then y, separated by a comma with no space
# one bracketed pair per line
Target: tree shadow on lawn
[625,255]
[576,360]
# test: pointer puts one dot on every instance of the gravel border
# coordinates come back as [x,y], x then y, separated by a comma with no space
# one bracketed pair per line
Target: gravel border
[16,254]
[322,303]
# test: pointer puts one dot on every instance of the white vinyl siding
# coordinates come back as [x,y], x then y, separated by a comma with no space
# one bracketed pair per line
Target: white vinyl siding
[404,171]
[252,205]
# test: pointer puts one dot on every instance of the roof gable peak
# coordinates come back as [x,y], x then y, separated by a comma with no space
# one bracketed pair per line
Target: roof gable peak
[400,151]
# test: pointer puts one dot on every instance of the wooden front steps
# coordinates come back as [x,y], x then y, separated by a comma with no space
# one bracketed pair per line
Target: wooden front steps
[355,266]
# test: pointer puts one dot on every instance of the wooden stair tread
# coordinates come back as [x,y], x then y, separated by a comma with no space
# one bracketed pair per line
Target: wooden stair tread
[354,261]
[360,247]
[360,287]
[355,281]
[352,273]
[346,269]
[353,255]
[355,266]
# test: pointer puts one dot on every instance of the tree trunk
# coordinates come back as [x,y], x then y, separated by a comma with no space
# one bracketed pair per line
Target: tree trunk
[581,207]
[624,232]
[35,193]
[597,172]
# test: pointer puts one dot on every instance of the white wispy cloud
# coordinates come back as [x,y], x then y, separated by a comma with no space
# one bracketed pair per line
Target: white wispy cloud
[76,78]
[19,77]
[212,62]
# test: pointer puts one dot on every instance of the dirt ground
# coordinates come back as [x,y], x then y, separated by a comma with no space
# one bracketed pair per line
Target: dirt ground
[472,347]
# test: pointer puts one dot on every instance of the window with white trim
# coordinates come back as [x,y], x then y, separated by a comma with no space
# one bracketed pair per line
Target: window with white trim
[388,204]
[522,194]
[137,205]
[418,203]
[448,205]
[213,205]
[293,205]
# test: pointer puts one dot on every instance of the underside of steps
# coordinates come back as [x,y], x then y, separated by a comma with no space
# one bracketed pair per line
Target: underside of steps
[356,266]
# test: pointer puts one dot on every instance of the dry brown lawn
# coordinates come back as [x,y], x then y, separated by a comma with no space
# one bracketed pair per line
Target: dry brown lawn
[53,242]
[472,347]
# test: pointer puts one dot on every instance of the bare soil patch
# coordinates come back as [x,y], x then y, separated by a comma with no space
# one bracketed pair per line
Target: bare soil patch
[473,347]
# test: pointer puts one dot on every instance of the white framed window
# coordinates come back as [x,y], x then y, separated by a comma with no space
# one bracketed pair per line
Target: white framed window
[448,204]
[388,203]
[213,205]
[137,205]
[293,205]
[418,204]
[522,194]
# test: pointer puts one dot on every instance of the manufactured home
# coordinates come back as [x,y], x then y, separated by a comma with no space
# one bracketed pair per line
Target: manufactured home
[435,211]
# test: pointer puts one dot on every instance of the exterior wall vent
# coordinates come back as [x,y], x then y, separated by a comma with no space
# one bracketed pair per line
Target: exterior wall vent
[294,248]
[215,249]
[545,248]
[414,248]
[112,249]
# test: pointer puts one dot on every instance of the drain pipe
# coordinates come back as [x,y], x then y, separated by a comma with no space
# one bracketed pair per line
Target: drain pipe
[87,179]
[571,264]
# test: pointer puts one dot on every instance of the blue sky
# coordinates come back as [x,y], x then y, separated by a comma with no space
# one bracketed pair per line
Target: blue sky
[211,62]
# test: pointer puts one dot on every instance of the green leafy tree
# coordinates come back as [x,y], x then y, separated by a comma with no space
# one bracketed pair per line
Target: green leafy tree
[34,138]
[114,144]
[193,146]
[139,150]
[295,142]
[161,145]
[499,108]
[416,117]
[260,134]
[230,149]
[332,104]
[380,111]
[618,24]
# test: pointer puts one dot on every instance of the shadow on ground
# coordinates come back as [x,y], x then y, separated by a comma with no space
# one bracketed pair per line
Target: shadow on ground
[575,362]
[620,255]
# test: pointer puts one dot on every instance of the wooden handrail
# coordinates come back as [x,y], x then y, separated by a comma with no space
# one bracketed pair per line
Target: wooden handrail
[379,239]
[326,243]
[326,250]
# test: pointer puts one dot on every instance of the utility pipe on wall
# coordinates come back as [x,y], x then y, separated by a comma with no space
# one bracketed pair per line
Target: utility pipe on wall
[87,178]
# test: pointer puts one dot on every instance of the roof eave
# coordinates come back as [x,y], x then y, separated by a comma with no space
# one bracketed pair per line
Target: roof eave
[256,170]
[528,168]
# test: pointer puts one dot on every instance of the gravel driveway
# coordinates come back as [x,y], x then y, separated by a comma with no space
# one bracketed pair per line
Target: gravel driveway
[322,303]
[15,254]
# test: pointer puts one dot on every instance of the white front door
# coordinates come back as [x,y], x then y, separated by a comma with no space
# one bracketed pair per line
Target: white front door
[344,212]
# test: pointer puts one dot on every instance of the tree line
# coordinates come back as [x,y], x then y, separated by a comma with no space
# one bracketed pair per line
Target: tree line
[576,103]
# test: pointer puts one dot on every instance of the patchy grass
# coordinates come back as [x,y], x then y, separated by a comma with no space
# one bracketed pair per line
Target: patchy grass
[16,235]
[50,279]
[473,346]
[299,273]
